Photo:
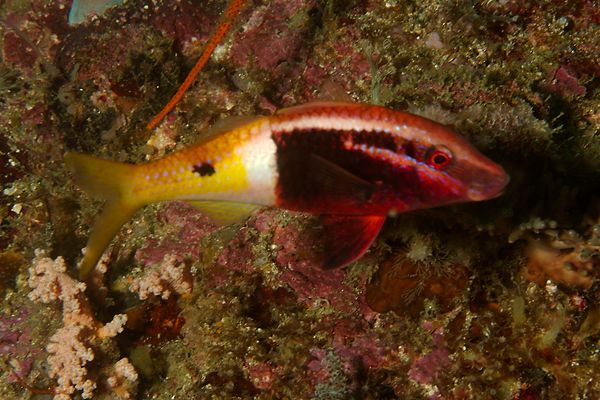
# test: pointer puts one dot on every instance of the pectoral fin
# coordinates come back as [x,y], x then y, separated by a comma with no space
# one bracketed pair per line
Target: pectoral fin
[224,212]
[348,237]
[338,182]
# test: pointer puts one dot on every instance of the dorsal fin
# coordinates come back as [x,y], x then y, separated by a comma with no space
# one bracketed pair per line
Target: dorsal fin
[316,106]
[225,125]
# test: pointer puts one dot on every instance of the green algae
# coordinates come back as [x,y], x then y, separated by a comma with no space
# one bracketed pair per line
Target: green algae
[336,387]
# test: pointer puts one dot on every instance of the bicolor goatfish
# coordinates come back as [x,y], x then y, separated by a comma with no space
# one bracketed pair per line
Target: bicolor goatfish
[350,164]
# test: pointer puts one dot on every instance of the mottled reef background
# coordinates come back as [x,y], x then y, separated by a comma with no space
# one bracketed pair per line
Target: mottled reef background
[499,300]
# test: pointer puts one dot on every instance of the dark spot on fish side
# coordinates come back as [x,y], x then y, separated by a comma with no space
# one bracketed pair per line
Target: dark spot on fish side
[204,169]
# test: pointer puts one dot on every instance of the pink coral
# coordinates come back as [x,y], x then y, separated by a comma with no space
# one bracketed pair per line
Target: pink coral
[71,348]
[545,262]
[114,327]
[124,379]
[49,282]
[163,279]
[69,355]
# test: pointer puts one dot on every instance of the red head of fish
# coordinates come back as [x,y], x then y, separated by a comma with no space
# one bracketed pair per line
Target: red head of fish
[438,167]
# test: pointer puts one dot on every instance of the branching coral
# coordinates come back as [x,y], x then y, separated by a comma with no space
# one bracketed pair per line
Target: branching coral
[77,343]
[124,379]
[163,279]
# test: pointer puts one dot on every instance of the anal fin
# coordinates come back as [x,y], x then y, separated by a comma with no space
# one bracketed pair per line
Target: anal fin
[348,237]
[224,212]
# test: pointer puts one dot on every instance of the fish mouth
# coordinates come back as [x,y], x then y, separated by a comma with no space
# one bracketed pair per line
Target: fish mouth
[488,189]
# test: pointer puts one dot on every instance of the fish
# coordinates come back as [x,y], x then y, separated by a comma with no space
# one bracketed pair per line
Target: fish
[349,164]
[82,9]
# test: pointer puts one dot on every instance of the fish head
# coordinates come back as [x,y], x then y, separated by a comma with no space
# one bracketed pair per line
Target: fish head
[437,166]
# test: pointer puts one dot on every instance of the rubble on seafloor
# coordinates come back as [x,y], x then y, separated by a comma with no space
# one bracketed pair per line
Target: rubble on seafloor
[498,300]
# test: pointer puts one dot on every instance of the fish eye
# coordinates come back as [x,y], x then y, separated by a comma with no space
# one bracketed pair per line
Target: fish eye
[439,157]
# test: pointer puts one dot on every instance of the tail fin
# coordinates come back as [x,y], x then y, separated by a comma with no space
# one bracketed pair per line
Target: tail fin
[104,180]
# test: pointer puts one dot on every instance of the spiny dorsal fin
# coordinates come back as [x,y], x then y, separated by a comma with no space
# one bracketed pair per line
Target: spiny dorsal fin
[225,125]
[316,106]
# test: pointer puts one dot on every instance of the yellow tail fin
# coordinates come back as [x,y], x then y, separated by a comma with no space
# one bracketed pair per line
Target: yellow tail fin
[104,180]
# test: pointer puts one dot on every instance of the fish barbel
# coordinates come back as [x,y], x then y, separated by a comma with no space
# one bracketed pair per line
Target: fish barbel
[350,164]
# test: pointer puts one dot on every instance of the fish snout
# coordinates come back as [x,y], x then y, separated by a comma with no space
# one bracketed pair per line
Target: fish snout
[488,185]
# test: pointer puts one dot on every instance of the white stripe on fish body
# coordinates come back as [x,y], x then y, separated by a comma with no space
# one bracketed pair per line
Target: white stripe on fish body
[259,156]
[337,122]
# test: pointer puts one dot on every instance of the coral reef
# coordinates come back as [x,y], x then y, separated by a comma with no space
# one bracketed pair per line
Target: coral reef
[495,300]
[162,280]
[124,380]
[73,347]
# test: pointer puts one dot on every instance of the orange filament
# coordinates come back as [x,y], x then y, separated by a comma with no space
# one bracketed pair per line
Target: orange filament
[233,9]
